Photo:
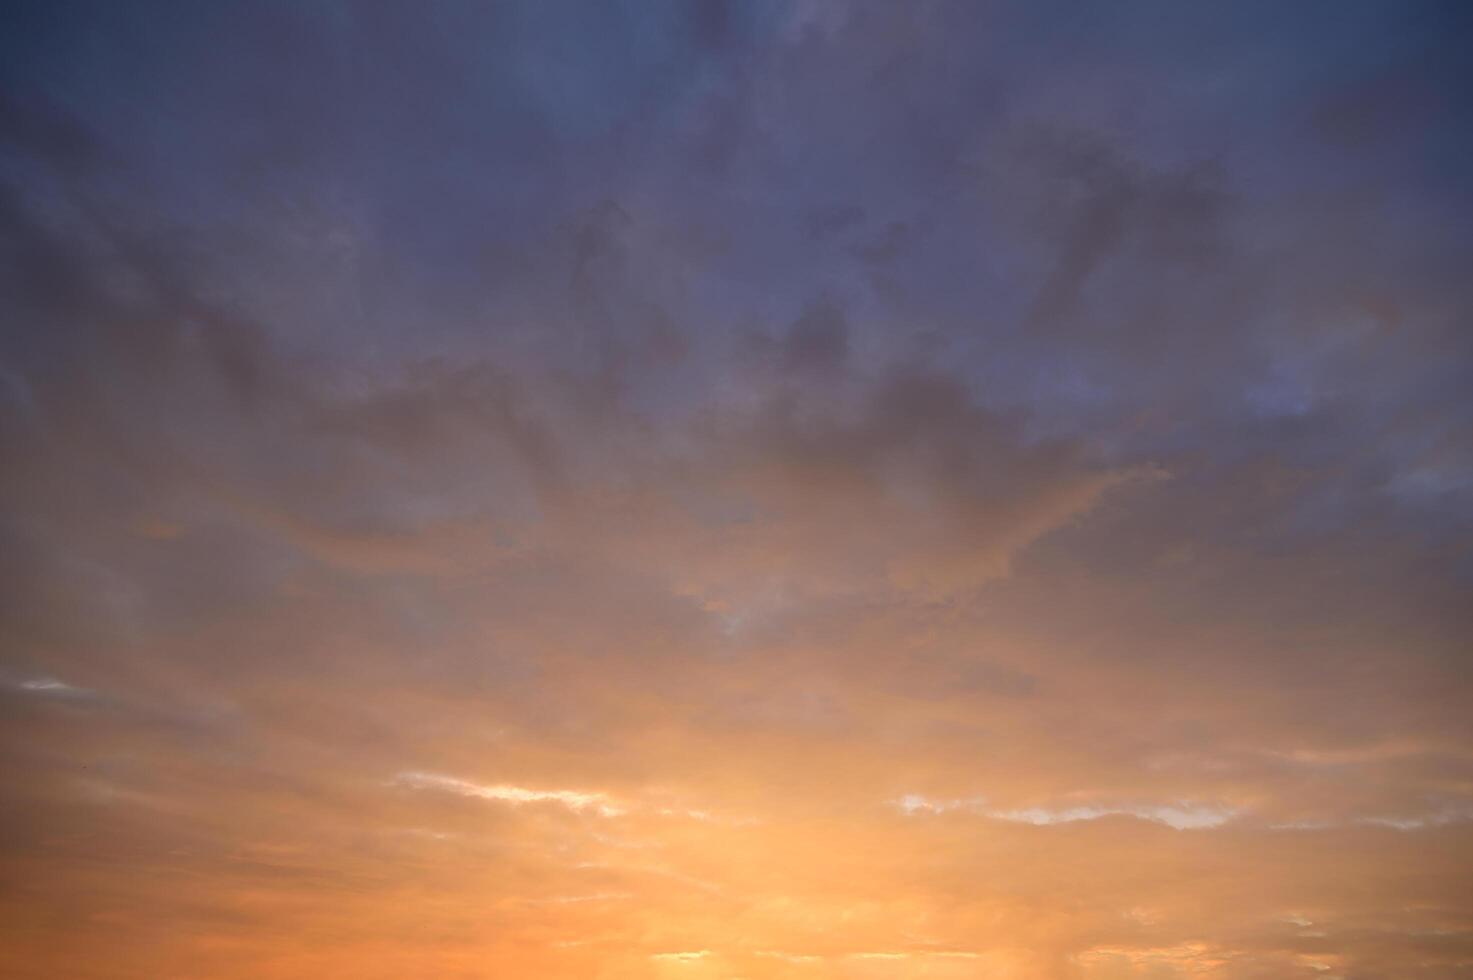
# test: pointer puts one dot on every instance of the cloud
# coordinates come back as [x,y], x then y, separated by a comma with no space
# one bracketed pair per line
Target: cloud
[1176,816]
[745,432]
[51,687]
[600,803]
[683,957]
[1179,816]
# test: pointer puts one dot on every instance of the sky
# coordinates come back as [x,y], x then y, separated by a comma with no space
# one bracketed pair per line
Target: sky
[740,490]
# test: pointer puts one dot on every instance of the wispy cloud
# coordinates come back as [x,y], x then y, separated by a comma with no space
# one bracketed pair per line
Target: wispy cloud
[1181,816]
[579,801]
[684,957]
[51,687]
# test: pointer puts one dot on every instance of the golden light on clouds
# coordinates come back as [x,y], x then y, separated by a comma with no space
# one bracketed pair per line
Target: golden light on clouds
[735,492]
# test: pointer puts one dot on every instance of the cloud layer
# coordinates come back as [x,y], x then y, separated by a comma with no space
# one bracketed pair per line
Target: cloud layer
[736,490]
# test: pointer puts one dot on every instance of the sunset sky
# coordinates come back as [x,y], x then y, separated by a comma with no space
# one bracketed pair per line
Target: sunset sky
[751,490]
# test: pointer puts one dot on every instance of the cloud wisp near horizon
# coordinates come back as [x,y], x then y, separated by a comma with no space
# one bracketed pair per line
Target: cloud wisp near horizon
[736,490]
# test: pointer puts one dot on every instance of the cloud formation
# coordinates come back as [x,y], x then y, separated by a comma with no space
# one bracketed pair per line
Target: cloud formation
[736,490]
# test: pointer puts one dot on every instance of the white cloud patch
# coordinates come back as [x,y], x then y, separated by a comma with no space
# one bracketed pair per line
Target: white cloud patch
[579,801]
[51,687]
[1406,822]
[688,957]
[912,803]
[1438,818]
[1178,816]
[1181,816]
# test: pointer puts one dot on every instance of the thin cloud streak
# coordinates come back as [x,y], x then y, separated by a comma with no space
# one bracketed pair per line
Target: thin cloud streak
[1178,816]
[515,795]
